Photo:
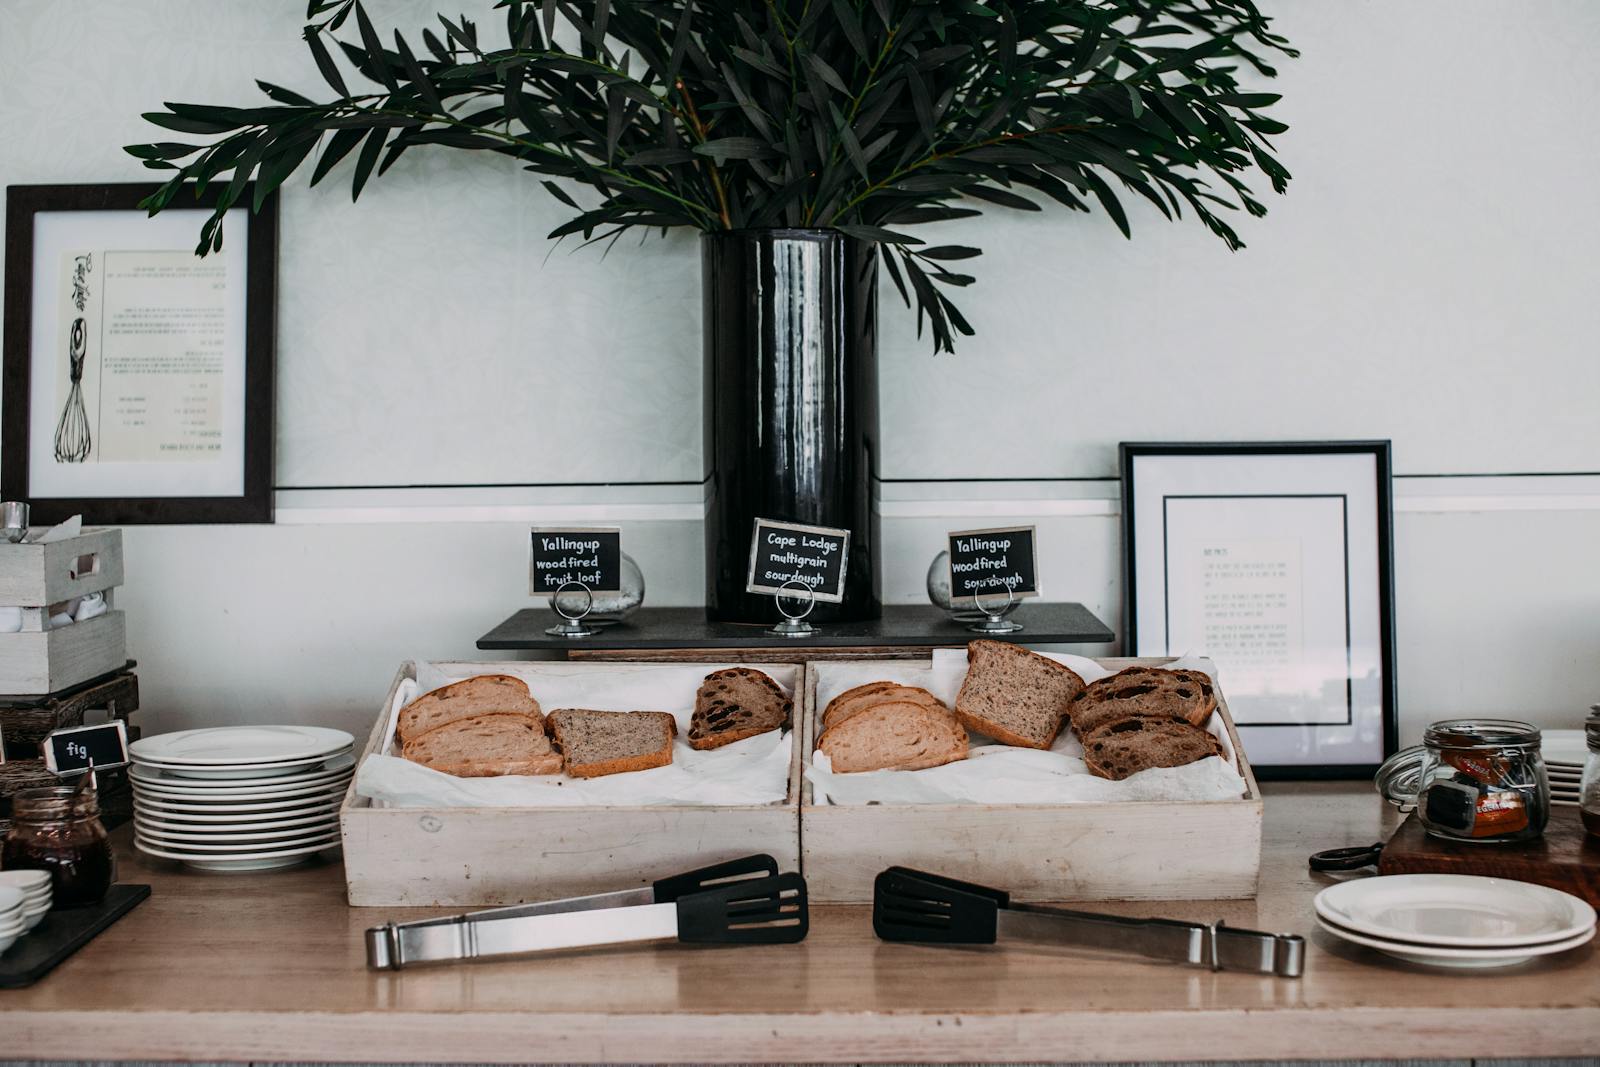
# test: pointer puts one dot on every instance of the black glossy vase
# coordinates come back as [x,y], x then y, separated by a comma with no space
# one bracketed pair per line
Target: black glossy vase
[791,406]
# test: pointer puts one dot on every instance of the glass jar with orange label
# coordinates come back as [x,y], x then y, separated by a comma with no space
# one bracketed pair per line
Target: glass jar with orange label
[1473,780]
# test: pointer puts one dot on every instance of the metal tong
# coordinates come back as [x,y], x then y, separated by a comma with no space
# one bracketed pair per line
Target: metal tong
[912,905]
[743,901]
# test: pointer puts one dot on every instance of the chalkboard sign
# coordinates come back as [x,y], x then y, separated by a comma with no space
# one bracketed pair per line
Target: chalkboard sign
[66,751]
[590,555]
[985,563]
[783,552]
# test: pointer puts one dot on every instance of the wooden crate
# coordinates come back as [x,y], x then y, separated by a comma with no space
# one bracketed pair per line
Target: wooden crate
[39,660]
[1044,852]
[413,857]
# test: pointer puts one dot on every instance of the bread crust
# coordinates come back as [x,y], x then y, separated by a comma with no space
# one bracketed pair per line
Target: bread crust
[1100,768]
[883,714]
[704,740]
[1098,706]
[854,701]
[617,765]
[546,762]
[406,721]
[978,723]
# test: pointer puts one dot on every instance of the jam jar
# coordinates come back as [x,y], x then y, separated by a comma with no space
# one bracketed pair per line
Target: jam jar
[1473,780]
[58,829]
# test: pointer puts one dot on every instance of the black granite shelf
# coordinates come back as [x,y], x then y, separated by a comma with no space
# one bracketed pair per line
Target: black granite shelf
[902,625]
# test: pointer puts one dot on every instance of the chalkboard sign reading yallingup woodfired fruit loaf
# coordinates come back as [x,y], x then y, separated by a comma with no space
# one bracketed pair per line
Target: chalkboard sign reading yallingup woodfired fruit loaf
[815,556]
[591,556]
[985,563]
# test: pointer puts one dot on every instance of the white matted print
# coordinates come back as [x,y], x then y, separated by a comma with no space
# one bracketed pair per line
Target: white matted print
[1273,560]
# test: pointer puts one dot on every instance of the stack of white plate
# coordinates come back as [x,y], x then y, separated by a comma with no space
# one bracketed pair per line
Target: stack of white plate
[1564,752]
[24,901]
[240,798]
[1455,920]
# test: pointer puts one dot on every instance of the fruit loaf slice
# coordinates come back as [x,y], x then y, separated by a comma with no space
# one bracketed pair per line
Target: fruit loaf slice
[1129,746]
[487,694]
[1015,696]
[1149,691]
[483,746]
[735,704]
[897,736]
[862,697]
[595,743]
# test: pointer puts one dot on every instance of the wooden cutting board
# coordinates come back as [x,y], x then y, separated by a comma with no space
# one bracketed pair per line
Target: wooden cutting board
[1565,858]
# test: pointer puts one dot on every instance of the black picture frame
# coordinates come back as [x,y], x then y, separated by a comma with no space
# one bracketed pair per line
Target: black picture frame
[255,503]
[1380,450]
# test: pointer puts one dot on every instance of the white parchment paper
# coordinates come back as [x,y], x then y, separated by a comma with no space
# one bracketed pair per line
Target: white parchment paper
[752,771]
[999,774]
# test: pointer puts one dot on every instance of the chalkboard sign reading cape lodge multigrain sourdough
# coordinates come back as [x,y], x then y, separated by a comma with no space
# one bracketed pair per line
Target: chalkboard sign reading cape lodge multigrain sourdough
[71,750]
[590,556]
[985,563]
[815,556]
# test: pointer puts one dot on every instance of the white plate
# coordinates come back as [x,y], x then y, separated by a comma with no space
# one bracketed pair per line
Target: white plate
[224,838]
[11,899]
[1459,910]
[175,778]
[27,881]
[230,824]
[1563,746]
[255,794]
[276,809]
[1436,956]
[320,837]
[248,772]
[239,746]
[253,861]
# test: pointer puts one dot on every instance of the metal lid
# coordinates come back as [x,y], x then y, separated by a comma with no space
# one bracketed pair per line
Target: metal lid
[1400,777]
[1459,734]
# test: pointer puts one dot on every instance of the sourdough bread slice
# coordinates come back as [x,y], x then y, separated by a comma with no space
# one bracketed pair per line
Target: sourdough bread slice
[1015,696]
[896,736]
[487,694]
[483,746]
[862,697]
[596,743]
[735,704]
[1147,691]
[1128,746]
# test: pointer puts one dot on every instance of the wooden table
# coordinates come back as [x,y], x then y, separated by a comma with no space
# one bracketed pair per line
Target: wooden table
[271,967]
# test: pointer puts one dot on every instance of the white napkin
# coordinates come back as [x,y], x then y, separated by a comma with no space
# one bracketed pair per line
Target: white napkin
[752,771]
[999,774]
[59,532]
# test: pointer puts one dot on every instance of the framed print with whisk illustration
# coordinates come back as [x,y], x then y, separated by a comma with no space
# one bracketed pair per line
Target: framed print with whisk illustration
[137,375]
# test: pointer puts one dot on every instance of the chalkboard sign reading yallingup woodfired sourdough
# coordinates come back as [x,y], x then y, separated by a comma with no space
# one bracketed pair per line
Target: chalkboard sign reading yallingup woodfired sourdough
[591,556]
[815,556]
[985,563]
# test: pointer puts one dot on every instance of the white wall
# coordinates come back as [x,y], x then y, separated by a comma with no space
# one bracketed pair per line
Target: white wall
[1430,277]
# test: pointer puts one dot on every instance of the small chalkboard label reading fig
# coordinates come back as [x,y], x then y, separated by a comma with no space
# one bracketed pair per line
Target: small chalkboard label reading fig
[985,563]
[814,556]
[591,556]
[70,751]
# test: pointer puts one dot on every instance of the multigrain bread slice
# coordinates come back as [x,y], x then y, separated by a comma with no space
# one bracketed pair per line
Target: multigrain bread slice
[1126,747]
[484,746]
[596,743]
[735,704]
[862,697]
[487,694]
[899,735]
[1015,696]
[1146,691]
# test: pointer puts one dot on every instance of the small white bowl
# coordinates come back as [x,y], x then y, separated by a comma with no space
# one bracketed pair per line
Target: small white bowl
[28,881]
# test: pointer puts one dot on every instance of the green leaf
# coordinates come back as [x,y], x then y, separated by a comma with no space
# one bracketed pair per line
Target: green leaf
[366,161]
[339,146]
[419,80]
[949,252]
[282,95]
[374,46]
[560,194]
[876,233]
[725,148]
[325,63]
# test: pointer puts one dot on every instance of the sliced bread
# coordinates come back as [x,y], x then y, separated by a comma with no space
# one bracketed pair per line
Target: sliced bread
[862,697]
[898,736]
[735,704]
[483,746]
[595,743]
[487,694]
[1148,691]
[1015,696]
[1126,747]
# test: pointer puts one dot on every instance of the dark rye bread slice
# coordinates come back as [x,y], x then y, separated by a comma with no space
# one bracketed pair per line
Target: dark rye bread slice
[898,735]
[735,704]
[484,746]
[596,743]
[1124,748]
[862,697]
[1015,696]
[487,694]
[1147,691]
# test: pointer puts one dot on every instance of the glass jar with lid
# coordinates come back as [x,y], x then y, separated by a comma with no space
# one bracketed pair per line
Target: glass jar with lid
[1473,780]
[58,829]
[1589,790]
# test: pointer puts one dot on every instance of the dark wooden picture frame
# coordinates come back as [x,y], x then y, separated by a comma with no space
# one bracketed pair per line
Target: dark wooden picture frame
[254,504]
[1383,468]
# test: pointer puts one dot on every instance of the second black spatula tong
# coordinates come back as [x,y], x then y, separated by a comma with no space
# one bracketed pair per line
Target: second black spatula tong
[744,901]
